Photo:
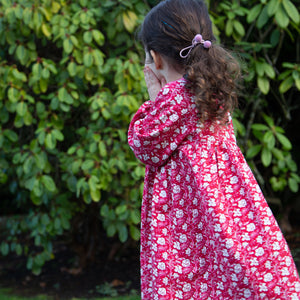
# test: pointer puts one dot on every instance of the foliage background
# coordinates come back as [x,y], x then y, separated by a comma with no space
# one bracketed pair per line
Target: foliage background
[70,80]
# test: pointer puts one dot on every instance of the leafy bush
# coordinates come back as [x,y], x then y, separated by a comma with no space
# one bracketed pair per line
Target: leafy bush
[266,35]
[70,80]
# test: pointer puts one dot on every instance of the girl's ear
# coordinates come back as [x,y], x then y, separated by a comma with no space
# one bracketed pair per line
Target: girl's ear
[157,59]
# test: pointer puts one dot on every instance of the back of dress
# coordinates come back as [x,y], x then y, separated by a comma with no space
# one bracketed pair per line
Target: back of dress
[249,256]
[207,231]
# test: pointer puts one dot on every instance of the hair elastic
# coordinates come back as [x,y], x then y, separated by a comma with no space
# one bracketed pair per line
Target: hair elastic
[197,40]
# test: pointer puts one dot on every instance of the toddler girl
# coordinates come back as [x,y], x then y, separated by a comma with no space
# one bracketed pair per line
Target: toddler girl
[207,231]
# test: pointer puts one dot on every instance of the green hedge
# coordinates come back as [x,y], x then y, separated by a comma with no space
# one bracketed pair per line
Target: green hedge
[70,80]
[266,35]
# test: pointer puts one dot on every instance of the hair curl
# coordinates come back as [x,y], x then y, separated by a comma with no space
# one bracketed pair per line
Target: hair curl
[211,73]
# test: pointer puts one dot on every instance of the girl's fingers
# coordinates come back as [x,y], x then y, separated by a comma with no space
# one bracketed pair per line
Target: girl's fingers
[163,81]
[150,77]
[152,82]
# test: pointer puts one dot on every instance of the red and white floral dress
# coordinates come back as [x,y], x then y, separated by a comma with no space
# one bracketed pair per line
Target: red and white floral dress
[207,231]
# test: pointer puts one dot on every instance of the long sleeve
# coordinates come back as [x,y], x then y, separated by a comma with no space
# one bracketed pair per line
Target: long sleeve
[159,127]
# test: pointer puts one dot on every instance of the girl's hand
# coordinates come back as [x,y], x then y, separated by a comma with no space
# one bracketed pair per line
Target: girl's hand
[154,84]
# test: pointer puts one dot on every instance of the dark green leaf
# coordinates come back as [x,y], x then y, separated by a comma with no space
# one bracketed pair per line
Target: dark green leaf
[13,94]
[88,59]
[263,18]
[4,248]
[291,164]
[50,141]
[260,127]
[239,28]
[275,36]
[291,10]
[269,139]
[277,153]
[263,84]
[71,183]
[121,209]
[28,164]
[102,149]
[281,17]
[72,68]
[57,135]
[45,219]
[253,151]
[266,157]
[135,216]
[62,94]
[88,37]
[272,7]
[87,164]
[229,28]
[134,232]
[37,192]
[286,85]
[123,232]
[284,141]
[253,13]
[57,223]
[293,185]
[37,70]
[48,182]
[98,37]
[68,45]
[21,108]
[21,52]
[269,71]
[269,120]
[111,230]
[11,135]
[19,249]
[45,73]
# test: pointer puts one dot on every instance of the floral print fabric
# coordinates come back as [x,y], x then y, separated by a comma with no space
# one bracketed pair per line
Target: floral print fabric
[207,231]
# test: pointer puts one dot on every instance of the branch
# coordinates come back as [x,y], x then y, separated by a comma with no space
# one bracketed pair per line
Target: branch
[259,177]
[278,48]
[265,34]
[280,99]
[249,31]
[252,116]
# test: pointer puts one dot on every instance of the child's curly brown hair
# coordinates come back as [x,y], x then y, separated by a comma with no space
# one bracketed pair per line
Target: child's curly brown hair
[211,73]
